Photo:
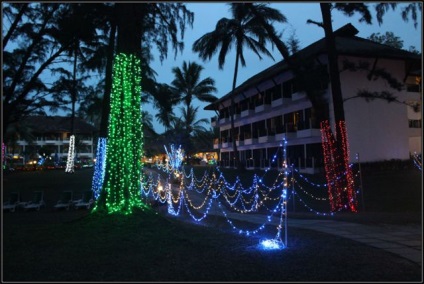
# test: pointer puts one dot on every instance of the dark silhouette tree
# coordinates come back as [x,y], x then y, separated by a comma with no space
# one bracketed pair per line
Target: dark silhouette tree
[188,86]
[38,49]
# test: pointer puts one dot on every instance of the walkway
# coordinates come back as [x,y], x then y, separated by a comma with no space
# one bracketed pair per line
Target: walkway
[405,241]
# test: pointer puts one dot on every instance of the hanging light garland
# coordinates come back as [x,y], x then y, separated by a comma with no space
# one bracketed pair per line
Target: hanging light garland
[278,242]
[239,199]
[71,153]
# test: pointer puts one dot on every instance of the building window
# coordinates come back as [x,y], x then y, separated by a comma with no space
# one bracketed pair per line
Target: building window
[413,88]
[414,123]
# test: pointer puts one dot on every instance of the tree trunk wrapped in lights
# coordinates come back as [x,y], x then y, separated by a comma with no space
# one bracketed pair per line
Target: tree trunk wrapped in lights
[99,168]
[71,155]
[121,188]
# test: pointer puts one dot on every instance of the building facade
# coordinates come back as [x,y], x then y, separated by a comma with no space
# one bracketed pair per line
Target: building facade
[52,133]
[270,107]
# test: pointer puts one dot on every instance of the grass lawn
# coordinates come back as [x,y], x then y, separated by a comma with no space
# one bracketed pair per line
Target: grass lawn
[77,245]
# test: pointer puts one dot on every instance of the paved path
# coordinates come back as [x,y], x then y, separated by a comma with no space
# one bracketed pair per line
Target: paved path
[404,241]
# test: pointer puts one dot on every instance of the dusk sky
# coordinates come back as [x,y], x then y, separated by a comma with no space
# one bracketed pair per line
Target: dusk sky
[207,14]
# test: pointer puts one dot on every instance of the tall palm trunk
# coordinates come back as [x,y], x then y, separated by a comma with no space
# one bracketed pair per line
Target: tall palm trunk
[74,88]
[71,150]
[108,81]
[341,167]
[100,166]
[232,111]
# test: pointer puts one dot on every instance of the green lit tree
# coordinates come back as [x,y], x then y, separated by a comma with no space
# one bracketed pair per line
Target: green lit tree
[121,187]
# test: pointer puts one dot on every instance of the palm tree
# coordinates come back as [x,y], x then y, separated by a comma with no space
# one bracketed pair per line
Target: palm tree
[164,99]
[187,85]
[243,29]
[147,120]
[186,127]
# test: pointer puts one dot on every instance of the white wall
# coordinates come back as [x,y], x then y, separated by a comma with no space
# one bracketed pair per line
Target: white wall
[377,130]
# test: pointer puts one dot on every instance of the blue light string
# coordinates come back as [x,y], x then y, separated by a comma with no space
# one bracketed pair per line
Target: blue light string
[99,167]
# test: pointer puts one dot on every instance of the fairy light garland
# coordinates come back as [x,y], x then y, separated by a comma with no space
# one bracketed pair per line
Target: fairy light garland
[417,161]
[239,199]
[350,192]
[123,179]
[341,193]
[71,155]
[3,153]
[99,167]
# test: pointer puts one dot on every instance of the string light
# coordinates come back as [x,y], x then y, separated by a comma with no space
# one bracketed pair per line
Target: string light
[123,179]
[350,192]
[417,161]
[3,153]
[215,189]
[71,155]
[99,167]
[341,193]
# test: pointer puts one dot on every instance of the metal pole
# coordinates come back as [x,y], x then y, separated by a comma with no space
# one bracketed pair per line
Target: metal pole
[360,182]
[285,193]
[294,206]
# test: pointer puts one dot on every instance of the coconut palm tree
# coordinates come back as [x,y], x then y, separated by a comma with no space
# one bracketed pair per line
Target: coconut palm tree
[186,127]
[187,86]
[242,30]
[164,99]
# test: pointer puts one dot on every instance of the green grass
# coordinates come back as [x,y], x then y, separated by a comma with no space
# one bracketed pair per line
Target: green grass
[147,247]
[78,246]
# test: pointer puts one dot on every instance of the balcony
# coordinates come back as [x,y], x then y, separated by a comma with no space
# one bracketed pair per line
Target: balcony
[224,120]
[264,139]
[298,96]
[311,132]
[277,102]
[240,143]
[280,136]
[52,141]
[261,108]
[250,141]
[247,112]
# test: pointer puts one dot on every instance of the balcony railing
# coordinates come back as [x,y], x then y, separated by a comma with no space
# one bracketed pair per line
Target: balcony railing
[298,96]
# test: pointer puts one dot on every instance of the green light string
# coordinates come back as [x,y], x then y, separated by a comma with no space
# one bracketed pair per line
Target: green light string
[122,184]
